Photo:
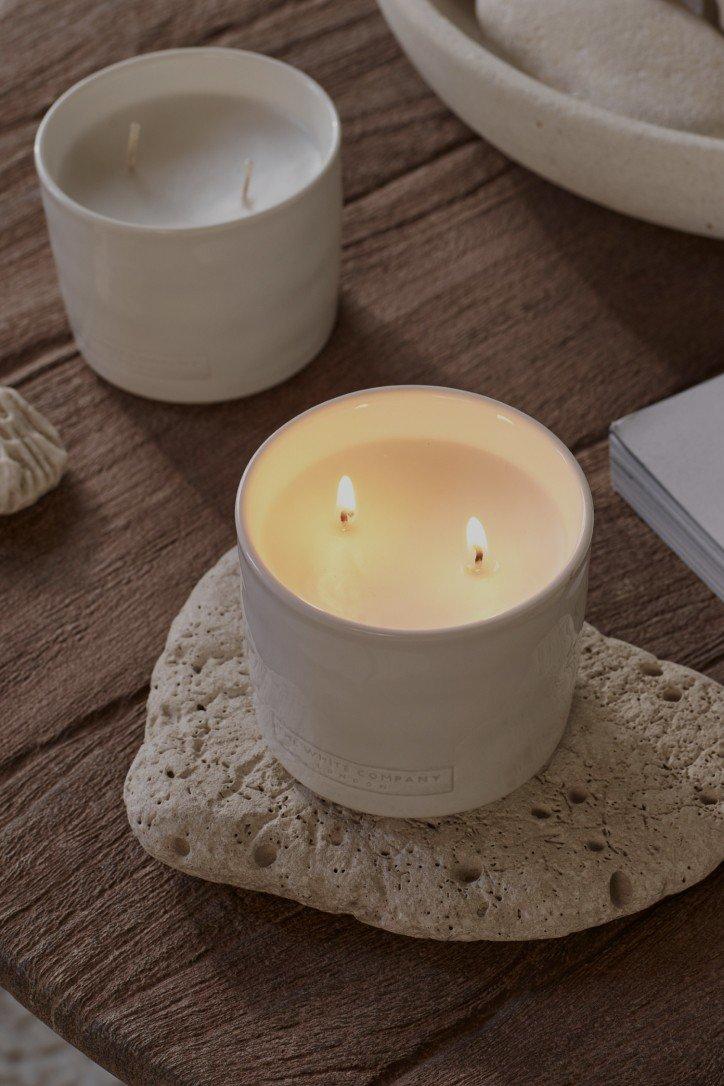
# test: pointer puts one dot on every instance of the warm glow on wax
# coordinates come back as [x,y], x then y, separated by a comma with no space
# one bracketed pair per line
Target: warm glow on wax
[346,501]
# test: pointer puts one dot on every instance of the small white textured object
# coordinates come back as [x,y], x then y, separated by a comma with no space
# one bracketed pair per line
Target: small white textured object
[32,458]
[625,813]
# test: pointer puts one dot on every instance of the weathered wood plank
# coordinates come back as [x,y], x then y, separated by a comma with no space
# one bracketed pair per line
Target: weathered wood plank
[80,627]
[76,37]
[647,973]
[461,269]
[168,979]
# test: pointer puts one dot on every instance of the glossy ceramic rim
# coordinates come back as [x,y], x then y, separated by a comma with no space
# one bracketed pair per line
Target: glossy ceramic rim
[62,197]
[490,624]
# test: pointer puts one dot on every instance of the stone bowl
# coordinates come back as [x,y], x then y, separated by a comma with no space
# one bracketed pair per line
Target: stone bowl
[654,173]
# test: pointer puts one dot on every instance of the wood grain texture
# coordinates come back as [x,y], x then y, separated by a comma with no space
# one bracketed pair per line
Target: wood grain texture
[460,268]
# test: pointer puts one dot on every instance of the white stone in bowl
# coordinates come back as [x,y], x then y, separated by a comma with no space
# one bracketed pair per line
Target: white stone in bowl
[32,457]
[647,170]
[647,59]
[625,813]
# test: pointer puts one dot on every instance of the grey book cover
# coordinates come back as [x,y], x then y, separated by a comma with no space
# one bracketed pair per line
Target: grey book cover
[667,461]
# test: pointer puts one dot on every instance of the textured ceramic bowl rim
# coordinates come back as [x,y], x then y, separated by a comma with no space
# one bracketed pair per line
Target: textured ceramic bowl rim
[496,622]
[332,118]
[515,77]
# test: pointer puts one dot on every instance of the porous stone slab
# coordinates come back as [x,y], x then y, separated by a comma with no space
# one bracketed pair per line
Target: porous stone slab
[625,813]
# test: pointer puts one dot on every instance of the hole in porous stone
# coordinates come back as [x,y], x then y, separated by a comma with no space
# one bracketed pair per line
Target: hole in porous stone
[620,889]
[264,855]
[709,796]
[650,667]
[577,793]
[169,773]
[541,812]
[336,835]
[671,693]
[467,871]
[180,846]
[595,844]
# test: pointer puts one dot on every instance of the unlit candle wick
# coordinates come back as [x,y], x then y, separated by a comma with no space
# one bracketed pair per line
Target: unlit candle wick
[248,168]
[134,133]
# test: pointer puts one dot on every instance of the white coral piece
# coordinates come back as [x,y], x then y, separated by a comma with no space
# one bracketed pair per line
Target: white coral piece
[32,457]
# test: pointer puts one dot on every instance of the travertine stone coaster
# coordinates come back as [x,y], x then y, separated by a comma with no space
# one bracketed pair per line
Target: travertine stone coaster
[625,813]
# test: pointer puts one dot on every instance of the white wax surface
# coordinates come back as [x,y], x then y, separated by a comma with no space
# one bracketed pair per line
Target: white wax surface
[190,161]
[404,562]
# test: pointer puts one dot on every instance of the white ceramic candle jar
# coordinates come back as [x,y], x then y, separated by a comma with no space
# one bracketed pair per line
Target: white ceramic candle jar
[414,568]
[193,200]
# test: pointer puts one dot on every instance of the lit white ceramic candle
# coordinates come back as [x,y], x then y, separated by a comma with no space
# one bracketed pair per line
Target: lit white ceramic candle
[193,199]
[414,577]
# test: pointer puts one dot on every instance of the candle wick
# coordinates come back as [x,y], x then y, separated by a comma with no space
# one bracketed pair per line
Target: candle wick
[477,566]
[248,169]
[134,133]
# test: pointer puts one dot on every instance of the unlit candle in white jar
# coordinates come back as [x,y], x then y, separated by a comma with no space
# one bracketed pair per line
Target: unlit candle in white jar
[190,161]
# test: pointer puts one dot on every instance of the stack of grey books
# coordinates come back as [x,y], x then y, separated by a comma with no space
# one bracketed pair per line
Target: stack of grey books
[667,461]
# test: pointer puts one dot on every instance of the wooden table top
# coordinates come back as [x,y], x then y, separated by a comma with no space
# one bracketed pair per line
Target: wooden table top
[462,269]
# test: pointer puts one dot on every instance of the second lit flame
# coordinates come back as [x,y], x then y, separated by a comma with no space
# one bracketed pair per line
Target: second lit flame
[346,501]
[477,543]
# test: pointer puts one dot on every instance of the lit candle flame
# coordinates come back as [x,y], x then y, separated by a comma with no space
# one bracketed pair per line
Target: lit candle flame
[477,543]
[346,501]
